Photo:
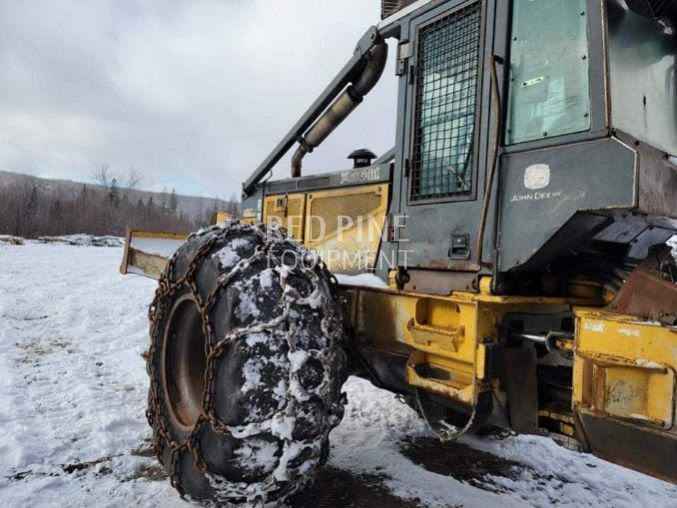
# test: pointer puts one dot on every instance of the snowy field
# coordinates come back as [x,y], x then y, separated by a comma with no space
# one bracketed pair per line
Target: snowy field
[72,400]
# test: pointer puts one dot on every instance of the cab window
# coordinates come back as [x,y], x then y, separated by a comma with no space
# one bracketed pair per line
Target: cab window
[549,81]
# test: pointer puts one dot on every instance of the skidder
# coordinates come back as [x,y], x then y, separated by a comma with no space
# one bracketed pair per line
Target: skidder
[517,231]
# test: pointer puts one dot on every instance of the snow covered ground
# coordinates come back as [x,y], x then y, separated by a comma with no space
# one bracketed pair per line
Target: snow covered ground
[72,400]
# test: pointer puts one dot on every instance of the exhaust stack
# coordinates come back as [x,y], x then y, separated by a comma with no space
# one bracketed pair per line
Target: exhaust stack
[343,106]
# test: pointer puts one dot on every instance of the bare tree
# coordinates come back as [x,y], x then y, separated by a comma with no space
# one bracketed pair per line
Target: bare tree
[134,178]
[102,175]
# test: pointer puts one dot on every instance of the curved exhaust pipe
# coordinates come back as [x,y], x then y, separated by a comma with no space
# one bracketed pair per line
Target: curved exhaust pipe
[343,106]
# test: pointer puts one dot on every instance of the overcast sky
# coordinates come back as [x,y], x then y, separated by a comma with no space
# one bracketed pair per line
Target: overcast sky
[193,94]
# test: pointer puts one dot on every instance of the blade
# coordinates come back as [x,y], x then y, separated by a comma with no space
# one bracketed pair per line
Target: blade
[146,252]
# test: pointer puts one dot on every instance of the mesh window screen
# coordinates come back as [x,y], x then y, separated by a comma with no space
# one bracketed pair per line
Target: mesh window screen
[446,77]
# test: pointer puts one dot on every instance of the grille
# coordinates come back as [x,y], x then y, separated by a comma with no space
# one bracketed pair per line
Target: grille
[390,7]
[446,95]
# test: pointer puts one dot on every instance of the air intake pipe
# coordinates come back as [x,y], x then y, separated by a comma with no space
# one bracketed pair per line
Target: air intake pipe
[343,106]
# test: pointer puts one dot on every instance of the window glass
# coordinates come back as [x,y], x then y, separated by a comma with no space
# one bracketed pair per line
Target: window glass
[549,83]
[447,69]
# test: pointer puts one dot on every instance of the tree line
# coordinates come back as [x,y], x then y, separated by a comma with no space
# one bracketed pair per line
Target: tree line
[28,210]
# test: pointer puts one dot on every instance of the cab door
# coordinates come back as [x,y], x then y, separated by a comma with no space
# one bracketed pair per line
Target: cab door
[446,135]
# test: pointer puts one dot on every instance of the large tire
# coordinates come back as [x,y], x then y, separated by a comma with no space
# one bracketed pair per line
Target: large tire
[246,366]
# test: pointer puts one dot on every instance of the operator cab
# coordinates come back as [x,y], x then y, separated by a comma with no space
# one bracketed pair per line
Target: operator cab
[522,126]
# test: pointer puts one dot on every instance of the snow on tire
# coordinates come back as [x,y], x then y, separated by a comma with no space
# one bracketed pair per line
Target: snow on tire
[246,366]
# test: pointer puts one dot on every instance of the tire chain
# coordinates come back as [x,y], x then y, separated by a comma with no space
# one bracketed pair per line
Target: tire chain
[167,289]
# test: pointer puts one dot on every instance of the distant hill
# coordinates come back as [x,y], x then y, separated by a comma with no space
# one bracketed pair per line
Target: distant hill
[192,206]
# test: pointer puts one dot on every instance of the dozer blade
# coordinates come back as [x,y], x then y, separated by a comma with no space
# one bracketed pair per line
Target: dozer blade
[146,252]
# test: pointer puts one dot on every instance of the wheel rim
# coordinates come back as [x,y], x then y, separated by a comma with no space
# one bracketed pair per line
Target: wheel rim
[183,363]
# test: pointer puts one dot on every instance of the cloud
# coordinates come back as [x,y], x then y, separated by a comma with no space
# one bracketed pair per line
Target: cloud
[193,94]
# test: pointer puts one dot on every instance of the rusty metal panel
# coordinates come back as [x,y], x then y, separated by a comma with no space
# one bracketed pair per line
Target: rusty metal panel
[439,282]
[624,390]
[625,368]
[647,296]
